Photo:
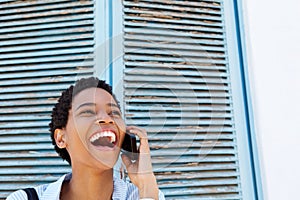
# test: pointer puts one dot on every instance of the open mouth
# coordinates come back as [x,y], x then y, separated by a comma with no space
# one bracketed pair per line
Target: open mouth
[104,139]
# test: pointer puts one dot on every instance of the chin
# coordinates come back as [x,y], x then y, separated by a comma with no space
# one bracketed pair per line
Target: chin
[107,160]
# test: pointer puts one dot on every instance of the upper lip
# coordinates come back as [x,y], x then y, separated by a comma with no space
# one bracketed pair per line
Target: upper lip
[104,130]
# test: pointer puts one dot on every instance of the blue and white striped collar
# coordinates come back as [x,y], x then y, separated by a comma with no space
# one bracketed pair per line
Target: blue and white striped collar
[52,191]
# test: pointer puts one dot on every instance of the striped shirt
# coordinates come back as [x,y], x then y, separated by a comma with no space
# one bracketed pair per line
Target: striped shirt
[122,190]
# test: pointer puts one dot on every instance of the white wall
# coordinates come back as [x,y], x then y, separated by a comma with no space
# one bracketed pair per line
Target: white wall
[273,37]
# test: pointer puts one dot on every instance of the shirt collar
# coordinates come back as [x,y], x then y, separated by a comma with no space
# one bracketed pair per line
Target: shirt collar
[53,190]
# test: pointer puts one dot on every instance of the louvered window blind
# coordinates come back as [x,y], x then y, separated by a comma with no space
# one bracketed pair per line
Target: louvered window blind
[177,85]
[44,47]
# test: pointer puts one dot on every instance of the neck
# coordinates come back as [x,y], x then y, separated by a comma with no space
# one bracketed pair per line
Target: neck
[89,184]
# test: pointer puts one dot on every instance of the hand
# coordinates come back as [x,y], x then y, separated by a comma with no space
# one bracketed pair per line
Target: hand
[140,172]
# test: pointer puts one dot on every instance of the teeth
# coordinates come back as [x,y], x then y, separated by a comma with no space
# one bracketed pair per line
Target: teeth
[109,134]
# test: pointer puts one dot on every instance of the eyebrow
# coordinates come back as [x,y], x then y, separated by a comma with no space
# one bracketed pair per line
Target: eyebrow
[113,105]
[93,104]
[86,104]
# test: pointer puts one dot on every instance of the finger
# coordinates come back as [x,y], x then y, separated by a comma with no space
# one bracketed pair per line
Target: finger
[141,133]
[130,167]
[126,160]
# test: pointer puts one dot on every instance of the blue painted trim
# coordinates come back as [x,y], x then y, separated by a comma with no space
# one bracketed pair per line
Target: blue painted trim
[111,21]
[247,102]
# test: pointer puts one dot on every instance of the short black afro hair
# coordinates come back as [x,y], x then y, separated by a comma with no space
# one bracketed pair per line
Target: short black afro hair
[60,112]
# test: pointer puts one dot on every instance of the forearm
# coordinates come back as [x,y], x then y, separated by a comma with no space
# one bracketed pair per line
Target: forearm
[148,188]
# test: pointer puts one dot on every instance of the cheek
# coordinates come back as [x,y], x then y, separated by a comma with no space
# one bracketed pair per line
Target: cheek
[77,129]
[121,125]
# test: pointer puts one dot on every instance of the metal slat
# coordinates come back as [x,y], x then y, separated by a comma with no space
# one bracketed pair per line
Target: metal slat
[25,103]
[22,130]
[186,121]
[31,163]
[41,40]
[8,4]
[172,39]
[51,32]
[26,109]
[224,192]
[186,159]
[48,66]
[151,18]
[173,59]
[159,114]
[27,124]
[181,65]
[142,93]
[192,148]
[206,3]
[201,183]
[61,58]
[183,86]
[170,14]
[168,70]
[27,178]
[36,170]
[177,86]
[24,147]
[47,14]
[178,108]
[180,93]
[37,88]
[16,118]
[42,24]
[196,175]
[55,52]
[191,151]
[176,137]
[142,24]
[171,47]
[193,167]
[24,138]
[46,45]
[176,100]
[45,7]
[205,52]
[198,129]
[182,73]
[168,32]
[30,95]
[42,76]
[171,7]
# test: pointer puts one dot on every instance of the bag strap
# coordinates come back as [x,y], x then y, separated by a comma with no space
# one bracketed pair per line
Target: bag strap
[31,194]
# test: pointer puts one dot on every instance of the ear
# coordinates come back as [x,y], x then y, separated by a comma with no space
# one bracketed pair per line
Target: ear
[60,138]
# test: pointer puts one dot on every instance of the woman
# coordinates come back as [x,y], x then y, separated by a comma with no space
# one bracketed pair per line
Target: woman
[87,130]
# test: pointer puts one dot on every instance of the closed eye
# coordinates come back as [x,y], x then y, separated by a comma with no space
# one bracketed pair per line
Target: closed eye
[87,112]
[115,113]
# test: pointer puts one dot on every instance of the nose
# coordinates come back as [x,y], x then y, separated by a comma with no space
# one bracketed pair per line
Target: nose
[104,118]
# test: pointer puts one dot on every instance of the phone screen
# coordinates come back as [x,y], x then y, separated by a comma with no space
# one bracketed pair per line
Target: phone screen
[129,146]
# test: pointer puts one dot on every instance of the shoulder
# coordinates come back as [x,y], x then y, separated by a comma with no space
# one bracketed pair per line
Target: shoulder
[17,195]
[21,194]
[45,192]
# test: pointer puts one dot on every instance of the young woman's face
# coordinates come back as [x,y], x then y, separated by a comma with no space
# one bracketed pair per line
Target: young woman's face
[95,128]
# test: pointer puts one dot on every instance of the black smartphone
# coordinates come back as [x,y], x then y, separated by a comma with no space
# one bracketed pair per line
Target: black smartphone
[129,146]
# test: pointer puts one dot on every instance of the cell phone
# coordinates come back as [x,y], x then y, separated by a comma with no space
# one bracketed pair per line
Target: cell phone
[129,146]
